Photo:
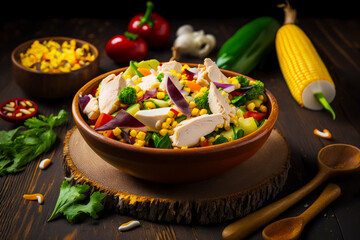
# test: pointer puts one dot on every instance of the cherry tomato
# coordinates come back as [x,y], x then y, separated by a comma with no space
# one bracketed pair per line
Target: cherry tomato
[123,48]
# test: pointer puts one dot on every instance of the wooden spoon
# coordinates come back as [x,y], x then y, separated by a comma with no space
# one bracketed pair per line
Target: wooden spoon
[333,160]
[291,228]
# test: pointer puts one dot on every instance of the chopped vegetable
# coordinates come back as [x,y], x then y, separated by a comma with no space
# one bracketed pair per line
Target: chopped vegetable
[102,120]
[127,95]
[304,72]
[20,146]
[71,199]
[177,98]
[122,119]
[203,101]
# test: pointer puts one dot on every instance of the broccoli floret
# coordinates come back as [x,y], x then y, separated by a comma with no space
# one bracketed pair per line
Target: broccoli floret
[203,102]
[257,90]
[244,82]
[127,95]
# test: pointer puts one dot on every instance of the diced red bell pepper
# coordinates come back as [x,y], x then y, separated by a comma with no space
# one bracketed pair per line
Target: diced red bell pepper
[256,115]
[103,119]
[107,133]
[174,111]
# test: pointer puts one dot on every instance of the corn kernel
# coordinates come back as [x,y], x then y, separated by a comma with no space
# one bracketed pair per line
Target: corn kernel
[184,147]
[150,105]
[187,89]
[203,111]
[174,124]
[170,132]
[169,120]
[140,94]
[133,133]
[160,95]
[116,131]
[261,97]
[137,88]
[163,132]
[250,106]
[211,139]
[139,143]
[170,114]
[263,108]
[192,104]
[195,111]
[165,125]
[199,94]
[202,139]
[141,135]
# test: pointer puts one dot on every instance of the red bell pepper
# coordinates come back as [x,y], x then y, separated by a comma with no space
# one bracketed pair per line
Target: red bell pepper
[256,115]
[152,27]
[103,119]
[123,48]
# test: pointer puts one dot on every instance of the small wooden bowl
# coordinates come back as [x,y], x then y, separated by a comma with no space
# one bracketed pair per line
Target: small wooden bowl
[52,85]
[173,165]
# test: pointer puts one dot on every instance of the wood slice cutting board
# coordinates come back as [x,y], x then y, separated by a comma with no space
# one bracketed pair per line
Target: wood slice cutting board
[231,195]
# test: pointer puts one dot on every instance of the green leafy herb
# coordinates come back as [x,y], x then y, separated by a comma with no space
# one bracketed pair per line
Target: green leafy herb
[71,202]
[21,145]
[220,140]
[163,142]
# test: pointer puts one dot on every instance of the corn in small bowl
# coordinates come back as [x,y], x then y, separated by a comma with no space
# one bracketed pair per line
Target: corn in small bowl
[54,67]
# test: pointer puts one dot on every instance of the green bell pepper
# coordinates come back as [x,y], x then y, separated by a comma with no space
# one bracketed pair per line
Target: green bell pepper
[248,46]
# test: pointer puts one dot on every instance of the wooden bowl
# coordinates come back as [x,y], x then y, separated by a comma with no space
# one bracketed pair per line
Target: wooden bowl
[52,85]
[173,165]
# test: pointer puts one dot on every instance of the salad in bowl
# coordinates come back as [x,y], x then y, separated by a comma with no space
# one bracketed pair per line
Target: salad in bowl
[175,106]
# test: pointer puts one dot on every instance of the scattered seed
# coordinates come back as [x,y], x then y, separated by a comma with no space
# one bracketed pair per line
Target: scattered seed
[44,163]
[129,225]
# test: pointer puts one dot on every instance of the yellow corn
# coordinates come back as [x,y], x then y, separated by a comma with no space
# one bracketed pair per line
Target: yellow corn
[298,59]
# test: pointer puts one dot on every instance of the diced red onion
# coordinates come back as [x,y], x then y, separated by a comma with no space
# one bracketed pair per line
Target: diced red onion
[184,92]
[83,101]
[123,120]
[227,87]
[148,94]
[177,98]
[242,91]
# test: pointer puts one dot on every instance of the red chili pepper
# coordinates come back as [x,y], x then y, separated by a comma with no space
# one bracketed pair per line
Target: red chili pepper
[256,115]
[151,26]
[123,48]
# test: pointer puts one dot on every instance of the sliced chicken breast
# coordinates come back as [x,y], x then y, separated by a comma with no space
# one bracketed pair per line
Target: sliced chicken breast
[219,104]
[92,109]
[147,82]
[189,132]
[168,66]
[109,91]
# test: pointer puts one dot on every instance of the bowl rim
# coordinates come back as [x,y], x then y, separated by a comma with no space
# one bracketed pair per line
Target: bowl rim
[18,64]
[79,120]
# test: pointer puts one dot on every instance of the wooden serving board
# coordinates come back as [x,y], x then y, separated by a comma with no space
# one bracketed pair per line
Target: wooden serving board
[231,195]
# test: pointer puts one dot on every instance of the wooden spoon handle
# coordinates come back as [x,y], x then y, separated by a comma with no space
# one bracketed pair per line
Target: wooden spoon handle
[247,225]
[330,193]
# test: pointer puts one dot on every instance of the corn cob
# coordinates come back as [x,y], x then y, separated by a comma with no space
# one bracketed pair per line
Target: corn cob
[304,72]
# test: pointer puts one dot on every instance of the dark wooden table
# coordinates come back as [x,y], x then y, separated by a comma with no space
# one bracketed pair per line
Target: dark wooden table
[338,43]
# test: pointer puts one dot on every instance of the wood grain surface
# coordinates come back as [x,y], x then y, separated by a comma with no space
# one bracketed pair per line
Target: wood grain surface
[338,43]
